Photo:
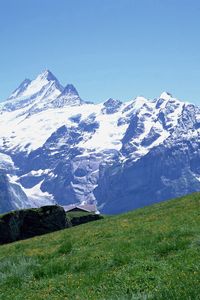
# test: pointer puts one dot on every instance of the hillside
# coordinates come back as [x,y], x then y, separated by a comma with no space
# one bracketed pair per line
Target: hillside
[151,253]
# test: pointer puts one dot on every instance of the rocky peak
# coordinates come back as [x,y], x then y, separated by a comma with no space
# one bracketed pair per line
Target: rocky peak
[48,75]
[70,90]
[165,96]
[111,106]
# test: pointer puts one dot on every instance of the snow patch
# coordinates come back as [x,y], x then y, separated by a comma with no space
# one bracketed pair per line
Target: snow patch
[37,197]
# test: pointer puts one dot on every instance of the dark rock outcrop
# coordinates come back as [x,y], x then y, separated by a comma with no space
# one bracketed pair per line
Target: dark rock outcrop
[23,224]
[84,219]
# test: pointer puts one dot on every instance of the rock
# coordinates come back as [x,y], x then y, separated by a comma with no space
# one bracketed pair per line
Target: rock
[166,172]
[78,220]
[11,194]
[23,224]
[10,225]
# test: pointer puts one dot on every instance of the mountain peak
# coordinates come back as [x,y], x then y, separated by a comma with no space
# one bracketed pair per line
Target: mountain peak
[48,75]
[112,102]
[70,90]
[111,106]
[44,87]
[166,96]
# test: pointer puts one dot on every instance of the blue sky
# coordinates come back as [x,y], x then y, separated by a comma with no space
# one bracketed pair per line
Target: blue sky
[106,48]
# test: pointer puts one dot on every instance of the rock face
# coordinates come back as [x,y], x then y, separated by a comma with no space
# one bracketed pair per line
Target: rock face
[11,194]
[118,155]
[23,224]
[162,174]
[169,170]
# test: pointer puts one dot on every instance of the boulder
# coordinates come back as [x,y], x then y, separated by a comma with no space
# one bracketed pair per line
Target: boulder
[78,220]
[27,223]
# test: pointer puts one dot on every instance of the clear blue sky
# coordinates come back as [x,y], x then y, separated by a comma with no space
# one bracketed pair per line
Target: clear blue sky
[106,48]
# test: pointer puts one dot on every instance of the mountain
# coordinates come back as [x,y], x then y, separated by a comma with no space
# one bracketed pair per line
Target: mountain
[11,195]
[35,93]
[20,90]
[69,96]
[118,155]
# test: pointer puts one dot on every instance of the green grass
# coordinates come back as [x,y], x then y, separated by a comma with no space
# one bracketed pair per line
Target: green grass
[151,253]
[75,214]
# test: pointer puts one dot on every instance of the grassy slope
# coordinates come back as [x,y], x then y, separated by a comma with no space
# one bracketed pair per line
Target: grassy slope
[151,253]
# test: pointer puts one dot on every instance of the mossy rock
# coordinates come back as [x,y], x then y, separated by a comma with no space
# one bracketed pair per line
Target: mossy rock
[27,223]
[81,218]
[10,225]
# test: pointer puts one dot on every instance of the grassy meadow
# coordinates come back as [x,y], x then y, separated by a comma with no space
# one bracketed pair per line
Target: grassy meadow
[150,253]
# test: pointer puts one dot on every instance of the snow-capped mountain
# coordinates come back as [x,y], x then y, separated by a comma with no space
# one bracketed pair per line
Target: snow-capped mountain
[38,92]
[20,90]
[69,96]
[118,155]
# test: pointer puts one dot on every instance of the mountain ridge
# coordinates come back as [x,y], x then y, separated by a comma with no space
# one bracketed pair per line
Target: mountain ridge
[67,150]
